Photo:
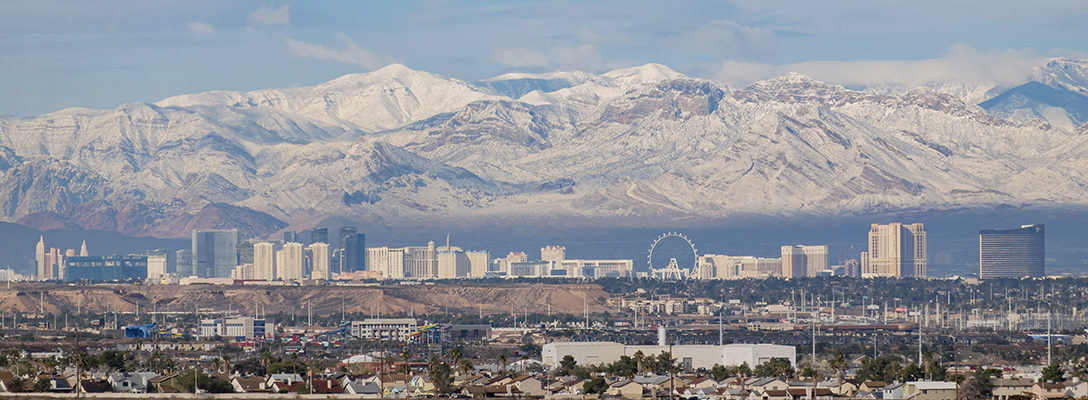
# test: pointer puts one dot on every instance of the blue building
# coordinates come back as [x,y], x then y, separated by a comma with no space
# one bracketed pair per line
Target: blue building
[139,331]
[112,268]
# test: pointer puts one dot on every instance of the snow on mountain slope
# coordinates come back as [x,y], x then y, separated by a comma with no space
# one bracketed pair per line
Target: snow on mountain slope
[641,75]
[515,85]
[383,99]
[1064,73]
[639,145]
[1062,108]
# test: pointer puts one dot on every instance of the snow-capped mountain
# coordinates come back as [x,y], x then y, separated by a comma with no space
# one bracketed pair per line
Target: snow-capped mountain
[641,145]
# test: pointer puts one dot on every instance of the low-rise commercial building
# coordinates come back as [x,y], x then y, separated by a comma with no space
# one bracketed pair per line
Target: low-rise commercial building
[690,356]
[384,328]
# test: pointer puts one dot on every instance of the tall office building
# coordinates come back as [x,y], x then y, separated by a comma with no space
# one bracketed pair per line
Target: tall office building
[319,260]
[1012,253]
[289,262]
[215,253]
[264,256]
[352,250]
[290,236]
[184,262]
[896,250]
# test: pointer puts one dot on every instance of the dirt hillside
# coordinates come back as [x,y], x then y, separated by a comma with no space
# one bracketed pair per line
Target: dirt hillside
[459,297]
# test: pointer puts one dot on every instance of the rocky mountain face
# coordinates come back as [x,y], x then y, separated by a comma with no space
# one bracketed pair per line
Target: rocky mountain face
[637,146]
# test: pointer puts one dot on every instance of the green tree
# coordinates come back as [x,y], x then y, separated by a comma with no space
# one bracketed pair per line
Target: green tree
[42,385]
[912,372]
[979,385]
[664,364]
[838,363]
[566,366]
[596,385]
[441,377]
[777,367]
[184,383]
[719,373]
[466,366]
[639,360]
[407,357]
[454,355]
[744,370]
[113,360]
[1052,373]
[879,369]
[502,362]
[16,384]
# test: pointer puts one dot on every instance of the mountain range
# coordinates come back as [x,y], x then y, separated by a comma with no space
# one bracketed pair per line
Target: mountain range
[631,147]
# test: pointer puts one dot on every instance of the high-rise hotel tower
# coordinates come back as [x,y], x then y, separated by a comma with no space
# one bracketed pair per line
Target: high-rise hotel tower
[1012,253]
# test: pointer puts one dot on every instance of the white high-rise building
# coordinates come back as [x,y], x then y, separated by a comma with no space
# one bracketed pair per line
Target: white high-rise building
[478,262]
[896,250]
[421,262]
[453,263]
[264,256]
[289,262]
[39,257]
[553,253]
[83,250]
[800,260]
[388,261]
[502,265]
[319,260]
[156,266]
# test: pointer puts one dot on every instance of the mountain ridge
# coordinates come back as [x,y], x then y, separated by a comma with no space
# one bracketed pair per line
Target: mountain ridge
[648,144]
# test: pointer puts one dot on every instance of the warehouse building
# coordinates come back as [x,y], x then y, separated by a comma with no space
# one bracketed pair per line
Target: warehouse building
[689,356]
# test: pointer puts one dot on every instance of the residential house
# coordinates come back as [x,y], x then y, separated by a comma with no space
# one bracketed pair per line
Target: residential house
[1005,389]
[626,388]
[930,390]
[130,382]
[369,389]
[1047,390]
[250,384]
[872,386]
[94,386]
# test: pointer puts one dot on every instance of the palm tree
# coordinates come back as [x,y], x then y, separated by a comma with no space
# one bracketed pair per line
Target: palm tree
[639,358]
[406,356]
[454,355]
[838,364]
[465,366]
[502,362]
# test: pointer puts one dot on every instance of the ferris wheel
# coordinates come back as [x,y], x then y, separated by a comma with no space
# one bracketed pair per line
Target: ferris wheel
[673,270]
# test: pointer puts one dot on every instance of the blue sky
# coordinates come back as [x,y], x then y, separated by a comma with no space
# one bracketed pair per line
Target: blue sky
[58,54]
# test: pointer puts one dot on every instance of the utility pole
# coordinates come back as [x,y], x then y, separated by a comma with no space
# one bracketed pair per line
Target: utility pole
[919,344]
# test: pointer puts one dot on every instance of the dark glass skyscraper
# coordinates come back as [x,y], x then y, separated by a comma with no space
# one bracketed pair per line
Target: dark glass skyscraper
[215,253]
[352,250]
[319,235]
[1012,253]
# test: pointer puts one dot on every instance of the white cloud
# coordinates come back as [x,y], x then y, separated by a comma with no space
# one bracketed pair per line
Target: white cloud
[200,28]
[584,57]
[961,63]
[268,16]
[349,54]
[728,39]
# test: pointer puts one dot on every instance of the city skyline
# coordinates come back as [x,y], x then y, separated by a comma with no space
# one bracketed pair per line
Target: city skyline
[288,260]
